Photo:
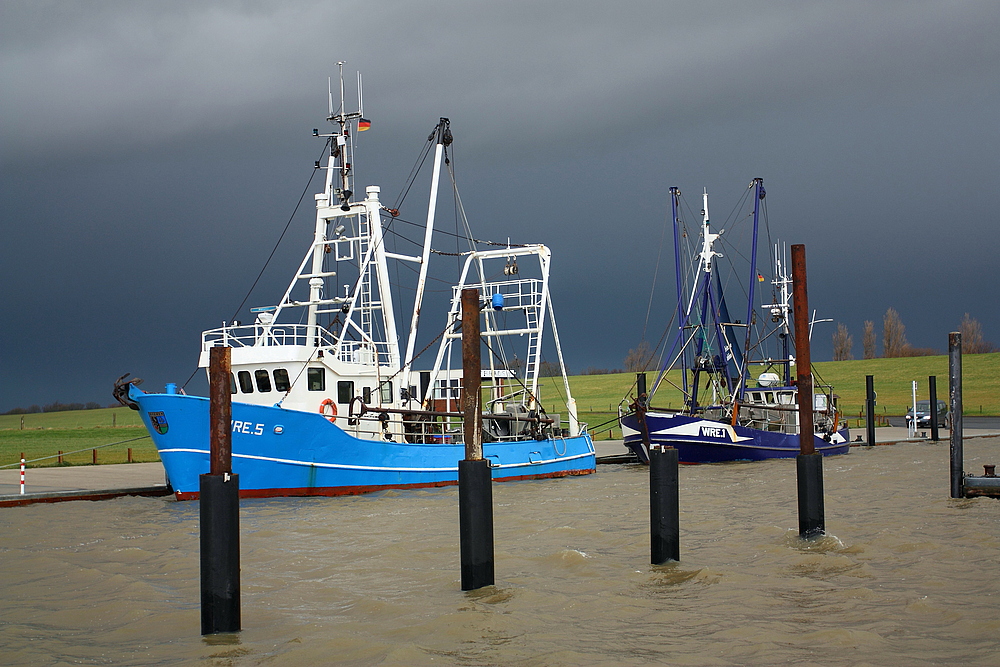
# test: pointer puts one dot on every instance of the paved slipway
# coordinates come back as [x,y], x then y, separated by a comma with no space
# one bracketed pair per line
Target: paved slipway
[147,479]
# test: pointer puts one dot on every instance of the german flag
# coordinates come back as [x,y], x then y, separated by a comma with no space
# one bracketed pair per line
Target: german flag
[363,124]
[760,278]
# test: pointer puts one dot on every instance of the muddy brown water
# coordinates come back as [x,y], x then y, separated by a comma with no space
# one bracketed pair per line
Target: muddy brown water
[906,575]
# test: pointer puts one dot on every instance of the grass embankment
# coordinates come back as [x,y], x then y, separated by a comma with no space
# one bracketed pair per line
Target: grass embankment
[597,396]
[45,434]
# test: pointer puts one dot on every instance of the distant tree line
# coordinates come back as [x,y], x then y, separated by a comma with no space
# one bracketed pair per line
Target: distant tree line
[57,407]
[894,343]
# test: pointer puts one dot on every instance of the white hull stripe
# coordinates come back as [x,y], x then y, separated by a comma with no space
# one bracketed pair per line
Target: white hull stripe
[345,466]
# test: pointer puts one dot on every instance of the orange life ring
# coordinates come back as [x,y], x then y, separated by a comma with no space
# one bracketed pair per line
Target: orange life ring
[332,414]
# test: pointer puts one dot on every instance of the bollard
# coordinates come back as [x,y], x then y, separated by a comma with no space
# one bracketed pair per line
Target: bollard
[219,493]
[475,479]
[664,506]
[809,463]
[130,455]
[932,388]
[955,393]
[95,456]
[60,457]
[22,474]
[870,403]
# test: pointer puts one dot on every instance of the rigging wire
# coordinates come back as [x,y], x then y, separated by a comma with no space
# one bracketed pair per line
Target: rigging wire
[312,174]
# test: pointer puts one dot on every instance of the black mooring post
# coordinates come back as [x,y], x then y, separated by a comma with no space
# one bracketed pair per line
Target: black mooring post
[475,479]
[219,493]
[475,509]
[809,463]
[664,506]
[809,474]
[932,387]
[955,393]
[870,408]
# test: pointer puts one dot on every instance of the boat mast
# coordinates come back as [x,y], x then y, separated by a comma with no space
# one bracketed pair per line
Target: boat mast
[758,185]
[675,194]
[443,134]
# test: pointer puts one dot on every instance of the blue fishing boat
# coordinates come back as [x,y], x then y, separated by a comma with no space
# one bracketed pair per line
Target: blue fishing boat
[325,401]
[738,400]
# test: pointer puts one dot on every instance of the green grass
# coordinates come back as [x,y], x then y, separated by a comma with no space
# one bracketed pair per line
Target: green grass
[597,396]
[45,434]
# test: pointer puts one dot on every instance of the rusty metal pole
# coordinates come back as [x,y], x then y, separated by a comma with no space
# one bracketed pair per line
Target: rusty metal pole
[955,394]
[475,479]
[809,463]
[220,411]
[472,375]
[219,492]
[803,363]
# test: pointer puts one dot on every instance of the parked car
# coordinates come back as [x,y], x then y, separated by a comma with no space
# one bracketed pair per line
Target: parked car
[924,414]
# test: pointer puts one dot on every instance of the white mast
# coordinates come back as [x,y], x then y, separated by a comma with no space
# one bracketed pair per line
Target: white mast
[443,133]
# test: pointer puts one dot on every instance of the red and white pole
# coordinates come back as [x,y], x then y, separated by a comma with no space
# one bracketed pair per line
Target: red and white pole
[22,477]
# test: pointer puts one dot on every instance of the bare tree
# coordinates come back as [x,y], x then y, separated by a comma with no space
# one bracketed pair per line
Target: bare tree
[638,358]
[868,341]
[842,344]
[894,343]
[972,337]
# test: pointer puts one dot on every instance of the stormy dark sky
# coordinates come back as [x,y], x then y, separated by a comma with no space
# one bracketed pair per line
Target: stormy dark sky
[153,151]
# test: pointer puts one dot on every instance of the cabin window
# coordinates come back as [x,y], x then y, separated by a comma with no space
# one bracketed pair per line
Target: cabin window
[755,397]
[246,382]
[317,379]
[281,382]
[820,401]
[386,392]
[263,381]
[232,383]
[768,397]
[785,397]
[367,396]
[345,391]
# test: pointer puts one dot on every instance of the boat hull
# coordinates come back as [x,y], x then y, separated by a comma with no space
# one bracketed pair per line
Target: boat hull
[704,441]
[279,452]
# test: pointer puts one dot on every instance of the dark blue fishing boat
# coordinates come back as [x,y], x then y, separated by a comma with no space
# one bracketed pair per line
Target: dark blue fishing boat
[727,412]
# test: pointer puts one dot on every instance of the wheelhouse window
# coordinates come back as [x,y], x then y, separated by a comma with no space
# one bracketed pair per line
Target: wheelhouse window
[316,379]
[367,395]
[263,381]
[345,391]
[386,392]
[246,382]
[232,383]
[281,382]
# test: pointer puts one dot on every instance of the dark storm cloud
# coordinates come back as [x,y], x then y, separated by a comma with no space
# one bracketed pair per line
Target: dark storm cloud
[144,141]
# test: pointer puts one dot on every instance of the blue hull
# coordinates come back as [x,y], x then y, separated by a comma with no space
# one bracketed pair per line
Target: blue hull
[704,441]
[278,452]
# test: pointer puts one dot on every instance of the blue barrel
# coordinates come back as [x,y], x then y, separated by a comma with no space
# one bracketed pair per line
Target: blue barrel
[498,301]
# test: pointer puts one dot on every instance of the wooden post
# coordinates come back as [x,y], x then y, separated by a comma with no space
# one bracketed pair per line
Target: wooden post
[475,479]
[471,375]
[219,492]
[809,463]
[955,393]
